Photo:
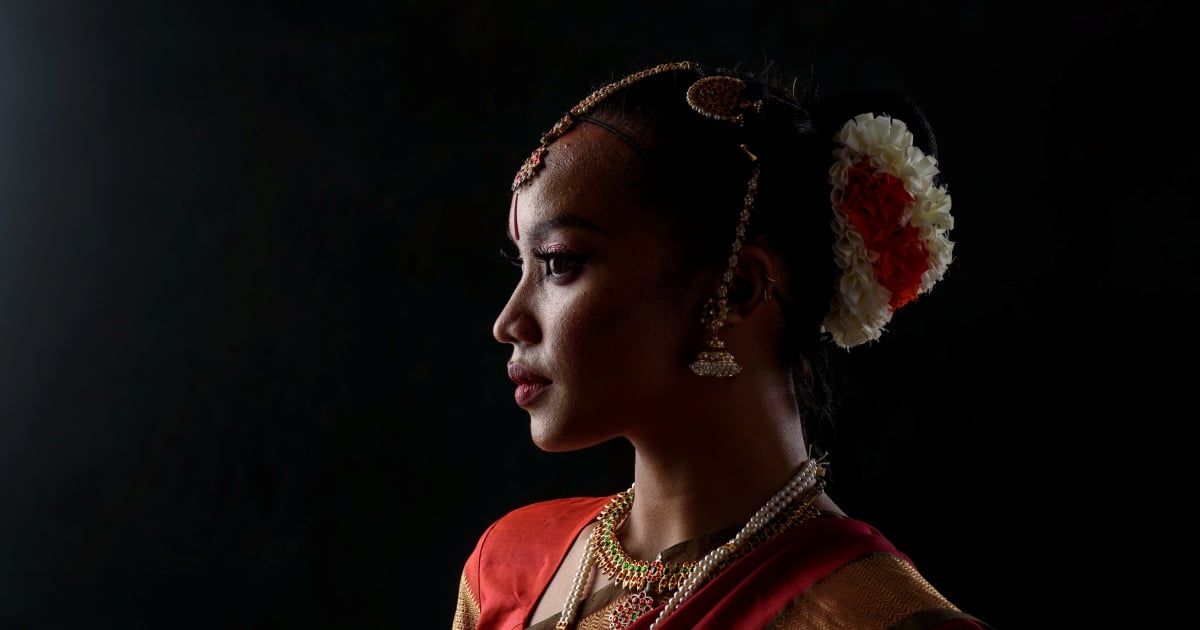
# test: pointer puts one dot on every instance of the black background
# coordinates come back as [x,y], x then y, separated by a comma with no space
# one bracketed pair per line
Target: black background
[248,273]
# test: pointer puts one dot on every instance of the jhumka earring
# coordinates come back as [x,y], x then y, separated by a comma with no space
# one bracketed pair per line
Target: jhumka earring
[720,98]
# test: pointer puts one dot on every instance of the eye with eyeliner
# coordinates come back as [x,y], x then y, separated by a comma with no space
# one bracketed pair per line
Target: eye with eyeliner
[557,263]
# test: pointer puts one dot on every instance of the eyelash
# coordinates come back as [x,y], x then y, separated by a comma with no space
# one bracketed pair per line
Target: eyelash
[512,259]
[547,258]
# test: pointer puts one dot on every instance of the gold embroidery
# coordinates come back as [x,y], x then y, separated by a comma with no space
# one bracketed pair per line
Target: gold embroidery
[874,592]
[466,614]
[599,619]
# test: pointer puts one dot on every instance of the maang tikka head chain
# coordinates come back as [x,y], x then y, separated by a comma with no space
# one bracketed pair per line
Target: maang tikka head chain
[721,98]
[534,161]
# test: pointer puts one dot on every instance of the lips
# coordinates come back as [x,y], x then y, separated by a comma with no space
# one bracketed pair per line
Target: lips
[529,383]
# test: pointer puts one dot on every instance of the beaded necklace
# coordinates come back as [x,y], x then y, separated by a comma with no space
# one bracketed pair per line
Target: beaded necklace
[631,573]
[684,579]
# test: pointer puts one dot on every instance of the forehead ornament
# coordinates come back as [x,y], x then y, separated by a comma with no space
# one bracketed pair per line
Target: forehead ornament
[720,98]
[534,161]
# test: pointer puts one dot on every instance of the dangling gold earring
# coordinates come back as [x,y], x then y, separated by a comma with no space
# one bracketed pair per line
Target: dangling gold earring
[714,359]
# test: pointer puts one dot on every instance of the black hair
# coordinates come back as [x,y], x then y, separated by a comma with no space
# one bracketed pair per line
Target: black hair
[696,170]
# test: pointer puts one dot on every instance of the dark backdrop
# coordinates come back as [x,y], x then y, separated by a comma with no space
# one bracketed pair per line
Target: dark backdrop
[248,273]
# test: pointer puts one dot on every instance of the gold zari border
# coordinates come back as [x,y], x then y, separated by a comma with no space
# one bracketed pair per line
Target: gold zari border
[876,592]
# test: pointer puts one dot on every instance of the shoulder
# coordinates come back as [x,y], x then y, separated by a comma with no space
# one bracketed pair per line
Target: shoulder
[518,553]
[873,586]
[547,524]
[552,515]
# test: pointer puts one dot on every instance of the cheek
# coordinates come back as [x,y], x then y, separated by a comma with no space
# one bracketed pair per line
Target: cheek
[586,325]
[640,333]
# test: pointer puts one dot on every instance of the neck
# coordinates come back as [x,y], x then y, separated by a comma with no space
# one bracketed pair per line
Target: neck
[714,474]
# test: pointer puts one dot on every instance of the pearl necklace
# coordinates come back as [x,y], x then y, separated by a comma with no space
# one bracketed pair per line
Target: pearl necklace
[581,579]
[807,481]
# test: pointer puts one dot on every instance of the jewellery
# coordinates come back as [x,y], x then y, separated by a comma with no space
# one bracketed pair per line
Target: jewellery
[530,167]
[808,483]
[715,360]
[581,579]
[720,98]
[796,498]
[629,610]
[890,222]
[645,578]
[630,573]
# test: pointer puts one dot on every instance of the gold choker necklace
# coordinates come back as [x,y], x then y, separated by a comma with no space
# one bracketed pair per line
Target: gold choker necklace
[790,506]
[630,573]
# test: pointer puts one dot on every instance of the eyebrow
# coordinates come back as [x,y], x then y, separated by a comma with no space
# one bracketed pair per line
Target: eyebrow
[563,220]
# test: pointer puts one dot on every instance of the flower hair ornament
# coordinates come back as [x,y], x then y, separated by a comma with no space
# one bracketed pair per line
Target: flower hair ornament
[890,224]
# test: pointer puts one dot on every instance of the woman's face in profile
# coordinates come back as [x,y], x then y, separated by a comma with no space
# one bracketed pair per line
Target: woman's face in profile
[600,338]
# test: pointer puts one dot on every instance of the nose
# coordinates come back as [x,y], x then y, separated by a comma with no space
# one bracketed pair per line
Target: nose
[516,323]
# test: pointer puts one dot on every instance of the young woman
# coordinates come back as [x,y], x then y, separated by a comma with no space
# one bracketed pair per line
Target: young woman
[692,241]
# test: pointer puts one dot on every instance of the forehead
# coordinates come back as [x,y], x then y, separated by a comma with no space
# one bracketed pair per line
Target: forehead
[586,173]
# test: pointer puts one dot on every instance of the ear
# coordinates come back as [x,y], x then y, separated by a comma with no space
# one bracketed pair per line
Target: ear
[753,284]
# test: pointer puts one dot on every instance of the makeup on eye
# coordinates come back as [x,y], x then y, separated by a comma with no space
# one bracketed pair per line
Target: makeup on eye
[559,263]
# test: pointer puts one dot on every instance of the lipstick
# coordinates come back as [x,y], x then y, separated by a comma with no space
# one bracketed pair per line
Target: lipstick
[529,383]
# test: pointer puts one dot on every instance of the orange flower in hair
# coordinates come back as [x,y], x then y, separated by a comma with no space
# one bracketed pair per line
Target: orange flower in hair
[890,223]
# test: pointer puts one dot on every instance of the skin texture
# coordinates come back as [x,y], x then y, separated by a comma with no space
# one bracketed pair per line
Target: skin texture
[615,337]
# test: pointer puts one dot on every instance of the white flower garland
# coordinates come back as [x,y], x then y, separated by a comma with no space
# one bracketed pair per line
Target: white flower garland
[862,304]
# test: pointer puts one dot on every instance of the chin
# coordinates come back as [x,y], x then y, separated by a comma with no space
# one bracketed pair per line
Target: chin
[552,443]
[554,436]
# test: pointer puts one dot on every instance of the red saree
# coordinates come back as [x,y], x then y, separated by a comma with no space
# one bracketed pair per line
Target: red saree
[823,573]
